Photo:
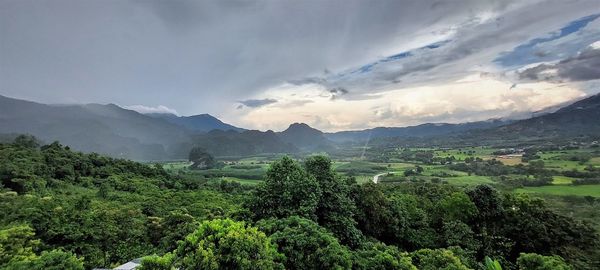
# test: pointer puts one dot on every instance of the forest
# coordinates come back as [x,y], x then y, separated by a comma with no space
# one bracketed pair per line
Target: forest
[69,210]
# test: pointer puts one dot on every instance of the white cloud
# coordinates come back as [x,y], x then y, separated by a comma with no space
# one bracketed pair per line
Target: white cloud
[149,109]
[472,98]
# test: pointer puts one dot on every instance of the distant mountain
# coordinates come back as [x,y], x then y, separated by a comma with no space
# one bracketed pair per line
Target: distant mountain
[424,130]
[579,118]
[305,137]
[249,142]
[107,129]
[200,123]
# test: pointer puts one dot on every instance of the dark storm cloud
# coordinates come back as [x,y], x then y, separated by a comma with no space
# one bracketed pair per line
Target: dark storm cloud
[197,56]
[583,67]
[255,103]
[204,56]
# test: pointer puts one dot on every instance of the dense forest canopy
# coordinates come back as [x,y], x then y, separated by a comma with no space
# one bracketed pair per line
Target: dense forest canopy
[68,210]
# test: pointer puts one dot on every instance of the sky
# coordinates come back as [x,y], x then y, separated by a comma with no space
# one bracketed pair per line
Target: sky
[333,64]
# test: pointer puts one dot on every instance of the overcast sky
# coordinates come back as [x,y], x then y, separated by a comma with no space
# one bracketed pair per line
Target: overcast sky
[335,65]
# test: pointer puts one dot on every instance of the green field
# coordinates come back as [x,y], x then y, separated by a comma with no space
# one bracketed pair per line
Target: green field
[469,180]
[564,190]
[462,153]
[562,180]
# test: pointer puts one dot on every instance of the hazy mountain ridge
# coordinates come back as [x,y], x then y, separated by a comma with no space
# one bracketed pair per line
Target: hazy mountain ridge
[198,123]
[423,130]
[249,142]
[106,129]
[579,118]
[110,129]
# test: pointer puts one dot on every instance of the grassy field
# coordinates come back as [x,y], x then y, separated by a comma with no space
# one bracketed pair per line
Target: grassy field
[559,160]
[467,180]
[564,190]
[562,180]
[462,153]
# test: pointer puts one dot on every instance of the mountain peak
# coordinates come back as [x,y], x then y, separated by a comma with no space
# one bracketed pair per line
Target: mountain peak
[301,126]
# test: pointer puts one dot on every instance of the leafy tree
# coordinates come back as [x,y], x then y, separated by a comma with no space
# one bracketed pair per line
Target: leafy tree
[434,259]
[201,159]
[335,210]
[287,190]
[373,212]
[305,244]
[49,260]
[532,261]
[17,243]
[378,256]
[226,244]
[457,233]
[27,141]
[155,262]
[457,206]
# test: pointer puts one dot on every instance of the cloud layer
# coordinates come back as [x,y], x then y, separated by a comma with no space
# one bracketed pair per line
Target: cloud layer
[301,60]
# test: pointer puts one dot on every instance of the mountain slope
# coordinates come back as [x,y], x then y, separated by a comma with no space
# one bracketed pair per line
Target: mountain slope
[424,130]
[106,129]
[579,118]
[249,142]
[200,123]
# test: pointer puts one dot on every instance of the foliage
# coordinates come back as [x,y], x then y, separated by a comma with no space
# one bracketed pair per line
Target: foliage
[287,190]
[305,244]
[335,209]
[433,259]
[48,260]
[17,243]
[532,261]
[378,256]
[226,244]
[201,159]
[492,264]
[62,208]
[155,262]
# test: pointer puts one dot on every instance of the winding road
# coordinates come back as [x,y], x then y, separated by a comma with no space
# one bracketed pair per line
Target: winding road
[376,177]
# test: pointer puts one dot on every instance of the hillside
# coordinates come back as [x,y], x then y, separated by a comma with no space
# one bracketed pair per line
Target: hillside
[579,118]
[424,130]
[199,123]
[107,129]
[249,142]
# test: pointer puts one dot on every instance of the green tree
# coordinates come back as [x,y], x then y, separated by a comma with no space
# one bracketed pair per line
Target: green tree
[373,215]
[305,244]
[226,244]
[287,190]
[378,256]
[17,243]
[201,158]
[457,206]
[532,261]
[155,262]
[27,141]
[436,259]
[49,260]
[335,210]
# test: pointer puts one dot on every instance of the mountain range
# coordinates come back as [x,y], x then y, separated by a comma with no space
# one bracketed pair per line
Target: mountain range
[112,130]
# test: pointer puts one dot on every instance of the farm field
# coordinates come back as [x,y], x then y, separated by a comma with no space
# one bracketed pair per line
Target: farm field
[564,190]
